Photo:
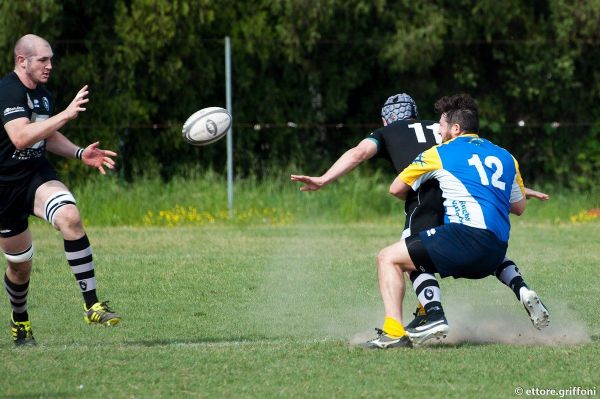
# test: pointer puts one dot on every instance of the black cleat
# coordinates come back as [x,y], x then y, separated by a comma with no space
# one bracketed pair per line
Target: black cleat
[435,326]
[21,333]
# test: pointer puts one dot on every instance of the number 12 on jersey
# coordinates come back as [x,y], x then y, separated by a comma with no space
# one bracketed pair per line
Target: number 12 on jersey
[493,163]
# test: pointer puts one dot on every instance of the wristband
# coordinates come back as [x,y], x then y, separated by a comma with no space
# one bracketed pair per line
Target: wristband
[79,153]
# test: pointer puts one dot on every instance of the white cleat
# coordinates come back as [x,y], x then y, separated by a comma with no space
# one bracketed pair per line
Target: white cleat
[535,308]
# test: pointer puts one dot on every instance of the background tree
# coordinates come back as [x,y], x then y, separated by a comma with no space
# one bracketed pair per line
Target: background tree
[324,65]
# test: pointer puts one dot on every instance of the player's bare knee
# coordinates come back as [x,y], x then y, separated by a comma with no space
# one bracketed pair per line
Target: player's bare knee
[382,257]
[68,218]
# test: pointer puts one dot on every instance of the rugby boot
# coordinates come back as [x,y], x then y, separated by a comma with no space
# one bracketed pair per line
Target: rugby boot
[21,333]
[100,313]
[385,341]
[420,317]
[435,326]
[535,309]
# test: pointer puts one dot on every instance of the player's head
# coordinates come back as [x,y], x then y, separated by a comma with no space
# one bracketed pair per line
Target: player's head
[33,58]
[458,114]
[398,107]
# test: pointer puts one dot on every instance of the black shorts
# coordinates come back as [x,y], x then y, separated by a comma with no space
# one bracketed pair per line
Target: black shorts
[17,199]
[456,250]
[425,208]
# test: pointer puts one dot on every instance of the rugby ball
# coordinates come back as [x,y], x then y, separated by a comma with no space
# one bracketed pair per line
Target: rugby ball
[206,126]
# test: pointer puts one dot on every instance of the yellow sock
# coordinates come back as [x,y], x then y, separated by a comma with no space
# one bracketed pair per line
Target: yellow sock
[393,327]
[421,310]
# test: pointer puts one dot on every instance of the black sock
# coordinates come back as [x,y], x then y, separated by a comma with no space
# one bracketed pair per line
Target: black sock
[509,274]
[79,256]
[17,294]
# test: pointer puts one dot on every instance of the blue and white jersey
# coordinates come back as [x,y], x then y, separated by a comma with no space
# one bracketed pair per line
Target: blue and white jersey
[479,181]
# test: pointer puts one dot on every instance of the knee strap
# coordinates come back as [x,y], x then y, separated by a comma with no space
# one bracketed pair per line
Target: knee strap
[21,257]
[55,202]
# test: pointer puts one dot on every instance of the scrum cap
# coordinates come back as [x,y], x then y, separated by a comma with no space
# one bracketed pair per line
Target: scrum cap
[398,107]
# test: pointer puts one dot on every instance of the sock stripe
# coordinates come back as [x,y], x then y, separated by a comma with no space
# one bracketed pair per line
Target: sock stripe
[506,263]
[422,277]
[77,245]
[508,274]
[74,255]
[19,298]
[82,268]
[85,275]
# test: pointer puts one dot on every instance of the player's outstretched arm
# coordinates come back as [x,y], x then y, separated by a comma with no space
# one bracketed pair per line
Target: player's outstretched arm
[24,133]
[529,193]
[366,149]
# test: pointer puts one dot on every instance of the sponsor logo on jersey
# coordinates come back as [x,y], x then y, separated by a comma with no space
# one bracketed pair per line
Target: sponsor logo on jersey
[461,211]
[46,104]
[35,151]
[12,110]
[430,232]
[36,103]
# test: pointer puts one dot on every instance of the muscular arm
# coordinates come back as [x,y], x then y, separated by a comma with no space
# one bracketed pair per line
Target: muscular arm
[24,133]
[366,149]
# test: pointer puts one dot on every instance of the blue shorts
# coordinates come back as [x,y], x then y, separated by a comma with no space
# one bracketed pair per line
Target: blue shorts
[457,250]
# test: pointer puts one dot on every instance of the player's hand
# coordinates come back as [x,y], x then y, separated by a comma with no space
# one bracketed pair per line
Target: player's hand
[98,158]
[529,193]
[310,183]
[78,102]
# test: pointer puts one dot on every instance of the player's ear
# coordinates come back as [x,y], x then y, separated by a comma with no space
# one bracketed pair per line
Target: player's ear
[455,129]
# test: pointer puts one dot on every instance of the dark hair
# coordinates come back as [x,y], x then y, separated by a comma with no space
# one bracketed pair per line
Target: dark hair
[460,109]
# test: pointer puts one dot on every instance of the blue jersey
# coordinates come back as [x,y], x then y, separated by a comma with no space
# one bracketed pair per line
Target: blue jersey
[479,181]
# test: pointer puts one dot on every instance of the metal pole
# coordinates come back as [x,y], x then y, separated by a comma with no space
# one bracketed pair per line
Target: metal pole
[230,133]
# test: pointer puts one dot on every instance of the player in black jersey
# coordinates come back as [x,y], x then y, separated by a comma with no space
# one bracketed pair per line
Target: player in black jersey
[29,184]
[399,141]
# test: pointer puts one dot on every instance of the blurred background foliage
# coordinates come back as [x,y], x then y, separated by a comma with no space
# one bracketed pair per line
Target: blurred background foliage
[327,66]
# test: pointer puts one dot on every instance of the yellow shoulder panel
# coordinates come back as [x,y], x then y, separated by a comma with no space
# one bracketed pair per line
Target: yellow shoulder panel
[425,162]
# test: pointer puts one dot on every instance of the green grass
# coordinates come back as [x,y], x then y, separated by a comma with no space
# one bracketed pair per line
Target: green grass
[264,311]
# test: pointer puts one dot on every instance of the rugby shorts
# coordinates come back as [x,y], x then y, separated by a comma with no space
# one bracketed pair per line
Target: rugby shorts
[17,199]
[456,250]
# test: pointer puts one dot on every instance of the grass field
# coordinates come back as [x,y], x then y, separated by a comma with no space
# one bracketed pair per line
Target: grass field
[275,311]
